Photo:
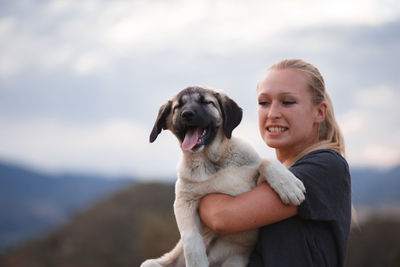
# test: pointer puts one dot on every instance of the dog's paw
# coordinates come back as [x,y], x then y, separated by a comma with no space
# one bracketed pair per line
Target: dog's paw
[289,188]
[150,263]
[291,192]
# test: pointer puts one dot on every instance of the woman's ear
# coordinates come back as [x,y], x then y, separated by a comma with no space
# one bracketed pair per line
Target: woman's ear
[321,112]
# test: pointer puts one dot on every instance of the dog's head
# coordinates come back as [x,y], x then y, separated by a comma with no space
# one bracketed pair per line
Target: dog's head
[196,115]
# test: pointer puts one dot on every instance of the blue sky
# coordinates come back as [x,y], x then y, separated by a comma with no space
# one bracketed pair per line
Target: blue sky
[81,81]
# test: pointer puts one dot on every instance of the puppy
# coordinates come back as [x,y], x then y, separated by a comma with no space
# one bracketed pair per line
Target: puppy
[214,162]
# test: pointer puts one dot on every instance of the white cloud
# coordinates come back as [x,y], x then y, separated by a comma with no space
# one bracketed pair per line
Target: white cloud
[371,128]
[379,97]
[222,43]
[380,155]
[353,122]
[116,146]
[89,36]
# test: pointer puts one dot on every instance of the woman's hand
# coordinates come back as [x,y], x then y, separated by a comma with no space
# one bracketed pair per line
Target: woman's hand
[261,206]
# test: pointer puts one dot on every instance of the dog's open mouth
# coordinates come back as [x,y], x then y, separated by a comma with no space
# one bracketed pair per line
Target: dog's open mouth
[194,138]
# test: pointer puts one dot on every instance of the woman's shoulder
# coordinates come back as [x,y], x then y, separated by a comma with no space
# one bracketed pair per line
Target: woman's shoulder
[322,155]
[322,160]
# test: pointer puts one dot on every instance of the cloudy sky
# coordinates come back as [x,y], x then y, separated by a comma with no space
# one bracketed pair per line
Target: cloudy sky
[81,81]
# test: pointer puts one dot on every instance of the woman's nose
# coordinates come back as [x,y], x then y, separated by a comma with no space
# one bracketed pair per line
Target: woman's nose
[274,111]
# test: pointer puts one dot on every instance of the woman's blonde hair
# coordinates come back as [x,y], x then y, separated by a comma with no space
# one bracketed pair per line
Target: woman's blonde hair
[329,134]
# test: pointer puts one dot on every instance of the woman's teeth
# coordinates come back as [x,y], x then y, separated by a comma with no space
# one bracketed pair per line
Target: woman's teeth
[276,129]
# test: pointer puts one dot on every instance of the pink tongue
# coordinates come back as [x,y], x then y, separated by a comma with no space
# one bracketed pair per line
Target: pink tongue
[191,138]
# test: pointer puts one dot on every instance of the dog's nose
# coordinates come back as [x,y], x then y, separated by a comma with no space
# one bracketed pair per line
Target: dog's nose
[187,114]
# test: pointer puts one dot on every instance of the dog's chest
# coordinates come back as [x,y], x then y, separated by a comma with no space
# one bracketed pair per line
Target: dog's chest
[233,180]
[197,170]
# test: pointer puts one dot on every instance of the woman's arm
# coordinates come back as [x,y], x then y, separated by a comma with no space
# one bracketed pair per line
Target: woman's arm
[260,206]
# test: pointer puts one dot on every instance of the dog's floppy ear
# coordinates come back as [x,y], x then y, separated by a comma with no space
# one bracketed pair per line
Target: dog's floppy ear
[161,121]
[231,113]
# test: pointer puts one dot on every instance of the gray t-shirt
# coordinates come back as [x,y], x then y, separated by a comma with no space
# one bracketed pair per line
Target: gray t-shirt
[318,234]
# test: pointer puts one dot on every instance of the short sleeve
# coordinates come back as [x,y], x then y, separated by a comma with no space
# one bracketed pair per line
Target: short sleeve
[325,174]
[318,234]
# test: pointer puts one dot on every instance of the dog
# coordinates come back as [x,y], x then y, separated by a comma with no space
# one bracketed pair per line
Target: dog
[214,161]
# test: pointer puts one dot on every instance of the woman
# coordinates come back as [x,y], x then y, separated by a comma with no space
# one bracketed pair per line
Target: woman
[296,118]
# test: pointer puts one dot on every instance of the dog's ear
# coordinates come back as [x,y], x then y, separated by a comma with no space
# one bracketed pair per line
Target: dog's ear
[161,121]
[231,113]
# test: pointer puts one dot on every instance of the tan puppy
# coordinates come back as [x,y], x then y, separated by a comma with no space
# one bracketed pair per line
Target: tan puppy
[214,162]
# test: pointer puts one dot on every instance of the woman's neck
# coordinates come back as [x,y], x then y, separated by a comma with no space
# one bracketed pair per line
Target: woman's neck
[287,156]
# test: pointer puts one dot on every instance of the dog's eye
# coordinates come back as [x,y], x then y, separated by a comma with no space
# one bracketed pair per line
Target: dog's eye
[205,101]
[176,107]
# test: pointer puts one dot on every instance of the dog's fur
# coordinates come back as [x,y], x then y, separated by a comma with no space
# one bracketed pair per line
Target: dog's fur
[214,161]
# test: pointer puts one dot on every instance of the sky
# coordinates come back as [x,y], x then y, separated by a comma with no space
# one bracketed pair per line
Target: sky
[81,81]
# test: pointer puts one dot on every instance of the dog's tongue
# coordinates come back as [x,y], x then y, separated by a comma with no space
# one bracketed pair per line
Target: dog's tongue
[191,138]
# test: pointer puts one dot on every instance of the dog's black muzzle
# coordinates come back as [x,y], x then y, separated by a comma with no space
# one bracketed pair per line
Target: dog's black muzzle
[197,118]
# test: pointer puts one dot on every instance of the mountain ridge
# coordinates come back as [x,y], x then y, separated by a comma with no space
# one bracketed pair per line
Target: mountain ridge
[34,203]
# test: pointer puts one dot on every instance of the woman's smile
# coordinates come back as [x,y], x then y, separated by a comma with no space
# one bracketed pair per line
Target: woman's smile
[276,130]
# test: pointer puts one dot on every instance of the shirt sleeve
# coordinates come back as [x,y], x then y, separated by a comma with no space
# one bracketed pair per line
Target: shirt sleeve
[325,175]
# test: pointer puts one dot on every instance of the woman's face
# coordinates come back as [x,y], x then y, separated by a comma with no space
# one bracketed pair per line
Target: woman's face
[288,120]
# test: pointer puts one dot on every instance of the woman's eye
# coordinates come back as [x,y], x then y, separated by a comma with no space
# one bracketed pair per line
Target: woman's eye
[288,102]
[263,103]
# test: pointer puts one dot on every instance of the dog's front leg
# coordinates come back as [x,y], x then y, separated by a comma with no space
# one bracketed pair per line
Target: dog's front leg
[289,188]
[189,227]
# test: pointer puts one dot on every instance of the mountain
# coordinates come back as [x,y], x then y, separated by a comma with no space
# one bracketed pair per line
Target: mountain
[134,224]
[33,203]
[373,187]
[138,223]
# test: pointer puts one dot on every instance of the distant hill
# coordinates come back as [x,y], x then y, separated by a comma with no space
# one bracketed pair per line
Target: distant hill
[134,224]
[33,203]
[372,187]
[138,223]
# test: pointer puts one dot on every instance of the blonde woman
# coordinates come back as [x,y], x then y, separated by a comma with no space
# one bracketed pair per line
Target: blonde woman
[296,118]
